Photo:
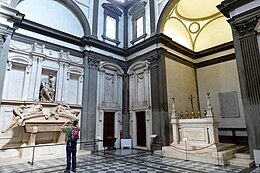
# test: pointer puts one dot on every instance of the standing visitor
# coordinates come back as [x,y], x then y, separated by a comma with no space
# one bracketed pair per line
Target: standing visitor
[71,129]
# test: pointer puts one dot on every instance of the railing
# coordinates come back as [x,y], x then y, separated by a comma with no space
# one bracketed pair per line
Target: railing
[91,143]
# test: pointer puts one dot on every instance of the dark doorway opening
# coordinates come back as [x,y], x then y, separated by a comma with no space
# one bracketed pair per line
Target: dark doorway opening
[108,130]
[141,129]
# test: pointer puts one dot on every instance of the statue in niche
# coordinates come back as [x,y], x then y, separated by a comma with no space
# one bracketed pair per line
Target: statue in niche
[64,110]
[22,112]
[47,89]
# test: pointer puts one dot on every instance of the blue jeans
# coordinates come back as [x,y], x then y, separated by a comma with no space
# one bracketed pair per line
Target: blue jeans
[71,149]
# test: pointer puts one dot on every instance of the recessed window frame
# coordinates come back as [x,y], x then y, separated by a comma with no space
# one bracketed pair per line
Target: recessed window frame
[136,14]
[110,11]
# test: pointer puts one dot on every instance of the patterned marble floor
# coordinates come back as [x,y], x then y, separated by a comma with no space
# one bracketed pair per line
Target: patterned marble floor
[124,161]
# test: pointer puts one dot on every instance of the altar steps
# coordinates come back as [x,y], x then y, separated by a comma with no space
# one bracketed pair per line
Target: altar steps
[242,159]
[227,151]
[219,155]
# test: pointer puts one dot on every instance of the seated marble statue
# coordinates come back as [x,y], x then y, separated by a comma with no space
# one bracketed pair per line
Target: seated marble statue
[47,89]
[64,110]
[21,112]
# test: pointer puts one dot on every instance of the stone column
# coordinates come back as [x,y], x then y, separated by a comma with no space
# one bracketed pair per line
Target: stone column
[248,63]
[5,37]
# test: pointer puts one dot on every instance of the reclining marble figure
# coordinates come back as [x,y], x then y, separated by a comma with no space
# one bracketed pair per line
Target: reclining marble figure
[22,112]
[64,110]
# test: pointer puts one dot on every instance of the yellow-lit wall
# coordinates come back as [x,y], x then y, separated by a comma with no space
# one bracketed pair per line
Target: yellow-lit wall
[222,77]
[180,85]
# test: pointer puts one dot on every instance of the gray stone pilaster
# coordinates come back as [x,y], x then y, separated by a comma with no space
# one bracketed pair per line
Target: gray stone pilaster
[95,18]
[5,38]
[248,63]
[160,120]
[89,99]
[125,29]
[152,16]
[125,112]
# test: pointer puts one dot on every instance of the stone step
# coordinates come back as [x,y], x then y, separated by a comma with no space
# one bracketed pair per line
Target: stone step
[241,162]
[229,153]
[225,146]
[242,156]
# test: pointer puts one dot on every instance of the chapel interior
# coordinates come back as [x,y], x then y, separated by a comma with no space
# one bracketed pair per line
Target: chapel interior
[134,72]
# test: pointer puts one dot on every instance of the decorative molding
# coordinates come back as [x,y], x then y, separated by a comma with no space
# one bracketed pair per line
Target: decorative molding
[136,8]
[112,40]
[139,38]
[245,27]
[93,62]
[48,45]
[257,27]
[215,49]
[153,60]
[20,60]
[89,41]
[112,66]
[112,8]
[11,14]
[216,61]
[138,65]
[4,32]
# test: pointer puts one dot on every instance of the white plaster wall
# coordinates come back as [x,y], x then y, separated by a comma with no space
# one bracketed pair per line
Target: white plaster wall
[222,77]
[180,85]
[52,14]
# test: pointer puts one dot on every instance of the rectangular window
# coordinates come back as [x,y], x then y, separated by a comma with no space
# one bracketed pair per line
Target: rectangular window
[139,27]
[111,28]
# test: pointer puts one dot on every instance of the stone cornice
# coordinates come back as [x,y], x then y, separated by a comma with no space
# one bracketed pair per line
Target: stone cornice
[90,41]
[47,31]
[216,49]
[11,14]
[229,5]
[48,45]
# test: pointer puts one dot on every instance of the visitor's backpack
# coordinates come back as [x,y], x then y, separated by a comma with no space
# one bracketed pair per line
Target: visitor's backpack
[74,134]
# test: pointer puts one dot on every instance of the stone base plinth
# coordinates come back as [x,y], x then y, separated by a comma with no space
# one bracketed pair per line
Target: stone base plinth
[41,153]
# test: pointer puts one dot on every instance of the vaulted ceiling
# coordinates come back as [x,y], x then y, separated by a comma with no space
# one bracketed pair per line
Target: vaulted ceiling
[197,24]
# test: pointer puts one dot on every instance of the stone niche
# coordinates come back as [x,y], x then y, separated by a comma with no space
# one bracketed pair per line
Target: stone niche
[109,99]
[140,102]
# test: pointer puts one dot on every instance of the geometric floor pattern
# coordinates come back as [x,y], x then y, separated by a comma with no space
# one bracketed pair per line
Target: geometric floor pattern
[124,161]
